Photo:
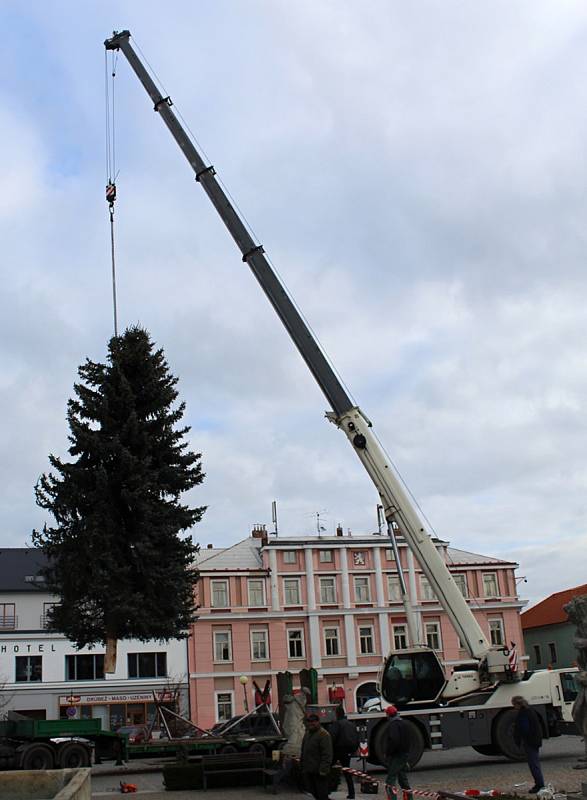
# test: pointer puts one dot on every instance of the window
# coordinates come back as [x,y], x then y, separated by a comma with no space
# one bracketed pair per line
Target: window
[7,616]
[496,631]
[461,581]
[426,591]
[490,585]
[87,667]
[259,645]
[224,706]
[29,669]
[362,592]
[394,589]
[552,652]
[47,608]
[291,591]
[433,635]
[331,641]
[389,554]
[147,665]
[570,687]
[222,646]
[295,643]
[326,556]
[290,557]
[366,645]
[537,654]
[220,595]
[256,592]
[327,590]
[400,637]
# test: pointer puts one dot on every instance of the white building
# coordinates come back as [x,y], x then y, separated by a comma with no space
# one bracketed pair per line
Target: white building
[43,676]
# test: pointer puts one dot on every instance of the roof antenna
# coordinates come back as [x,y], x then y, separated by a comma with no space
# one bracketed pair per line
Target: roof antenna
[274,517]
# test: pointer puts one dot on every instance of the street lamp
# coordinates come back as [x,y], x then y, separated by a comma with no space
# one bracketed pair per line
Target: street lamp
[244,680]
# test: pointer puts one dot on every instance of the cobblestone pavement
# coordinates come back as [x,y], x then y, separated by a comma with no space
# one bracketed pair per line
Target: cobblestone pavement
[451,770]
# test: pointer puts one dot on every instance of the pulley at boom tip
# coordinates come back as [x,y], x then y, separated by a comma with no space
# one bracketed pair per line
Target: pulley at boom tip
[114,42]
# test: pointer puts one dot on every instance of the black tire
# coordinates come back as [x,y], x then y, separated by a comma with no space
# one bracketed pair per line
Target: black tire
[37,756]
[229,748]
[73,755]
[503,736]
[377,745]
[258,748]
[486,749]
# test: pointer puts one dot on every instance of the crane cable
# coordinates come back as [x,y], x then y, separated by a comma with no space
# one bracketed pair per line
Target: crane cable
[111,171]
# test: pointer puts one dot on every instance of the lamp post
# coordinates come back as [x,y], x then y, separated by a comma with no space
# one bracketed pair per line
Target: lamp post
[244,680]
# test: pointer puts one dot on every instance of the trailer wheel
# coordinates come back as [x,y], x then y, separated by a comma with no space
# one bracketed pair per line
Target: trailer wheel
[229,748]
[37,756]
[503,736]
[258,748]
[486,749]
[73,755]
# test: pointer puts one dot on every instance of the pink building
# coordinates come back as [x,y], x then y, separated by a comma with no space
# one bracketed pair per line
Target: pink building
[269,604]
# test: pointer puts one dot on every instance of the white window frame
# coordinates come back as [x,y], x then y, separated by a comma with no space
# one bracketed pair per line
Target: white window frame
[496,625]
[262,582]
[328,582]
[217,693]
[298,585]
[435,632]
[426,590]
[366,633]
[290,557]
[400,634]
[213,584]
[362,580]
[335,638]
[301,640]
[394,581]
[389,554]
[325,556]
[215,634]
[460,578]
[493,575]
[265,634]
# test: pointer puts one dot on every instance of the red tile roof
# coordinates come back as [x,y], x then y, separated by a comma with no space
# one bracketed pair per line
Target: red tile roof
[550,611]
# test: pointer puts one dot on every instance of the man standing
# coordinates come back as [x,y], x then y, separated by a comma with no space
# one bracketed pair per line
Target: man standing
[528,733]
[345,742]
[316,757]
[397,748]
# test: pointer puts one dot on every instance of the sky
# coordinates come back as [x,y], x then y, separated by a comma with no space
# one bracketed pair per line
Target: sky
[417,174]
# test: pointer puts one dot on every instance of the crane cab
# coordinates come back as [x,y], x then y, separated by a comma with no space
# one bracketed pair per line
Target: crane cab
[412,676]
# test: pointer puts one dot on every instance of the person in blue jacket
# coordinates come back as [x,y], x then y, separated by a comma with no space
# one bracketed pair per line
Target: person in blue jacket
[528,734]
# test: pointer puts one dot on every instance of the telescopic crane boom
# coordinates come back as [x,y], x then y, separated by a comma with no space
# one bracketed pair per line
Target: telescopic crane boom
[399,508]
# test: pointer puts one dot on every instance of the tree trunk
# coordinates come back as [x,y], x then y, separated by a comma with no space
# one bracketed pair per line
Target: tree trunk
[110,657]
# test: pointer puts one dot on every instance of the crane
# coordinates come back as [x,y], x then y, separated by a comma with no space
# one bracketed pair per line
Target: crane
[491,663]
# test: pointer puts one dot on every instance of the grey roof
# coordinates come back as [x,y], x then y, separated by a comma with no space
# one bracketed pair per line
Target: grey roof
[455,556]
[243,555]
[19,569]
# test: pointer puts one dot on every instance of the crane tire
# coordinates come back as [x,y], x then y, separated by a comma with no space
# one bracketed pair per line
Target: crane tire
[73,755]
[503,735]
[37,756]
[486,749]
[377,746]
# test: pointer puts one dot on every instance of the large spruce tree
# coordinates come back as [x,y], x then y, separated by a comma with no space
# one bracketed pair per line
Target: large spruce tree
[116,559]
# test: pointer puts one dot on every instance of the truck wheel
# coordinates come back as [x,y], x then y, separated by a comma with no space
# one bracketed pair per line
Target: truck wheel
[73,755]
[377,745]
[417,743]
[503,736]
[37,756]
[486,749]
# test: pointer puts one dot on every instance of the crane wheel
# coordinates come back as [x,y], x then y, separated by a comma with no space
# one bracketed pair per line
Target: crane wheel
[503,735]
[37,756]
[417,744]
[486,749]
[73,755]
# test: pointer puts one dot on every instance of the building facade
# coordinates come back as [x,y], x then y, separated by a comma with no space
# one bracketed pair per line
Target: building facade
[271,604]
[548,634]
[43,676]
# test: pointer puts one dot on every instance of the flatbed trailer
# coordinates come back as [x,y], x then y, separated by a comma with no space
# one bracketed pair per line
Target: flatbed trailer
[62,743]
[205,745]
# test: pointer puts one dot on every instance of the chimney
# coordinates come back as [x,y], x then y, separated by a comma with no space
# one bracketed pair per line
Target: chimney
[339,529]
[260,532]
[209,546]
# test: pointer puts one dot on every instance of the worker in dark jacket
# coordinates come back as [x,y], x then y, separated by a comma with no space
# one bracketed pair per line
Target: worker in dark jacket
[397,749]
[316,757]
[345,742]
[528,734]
